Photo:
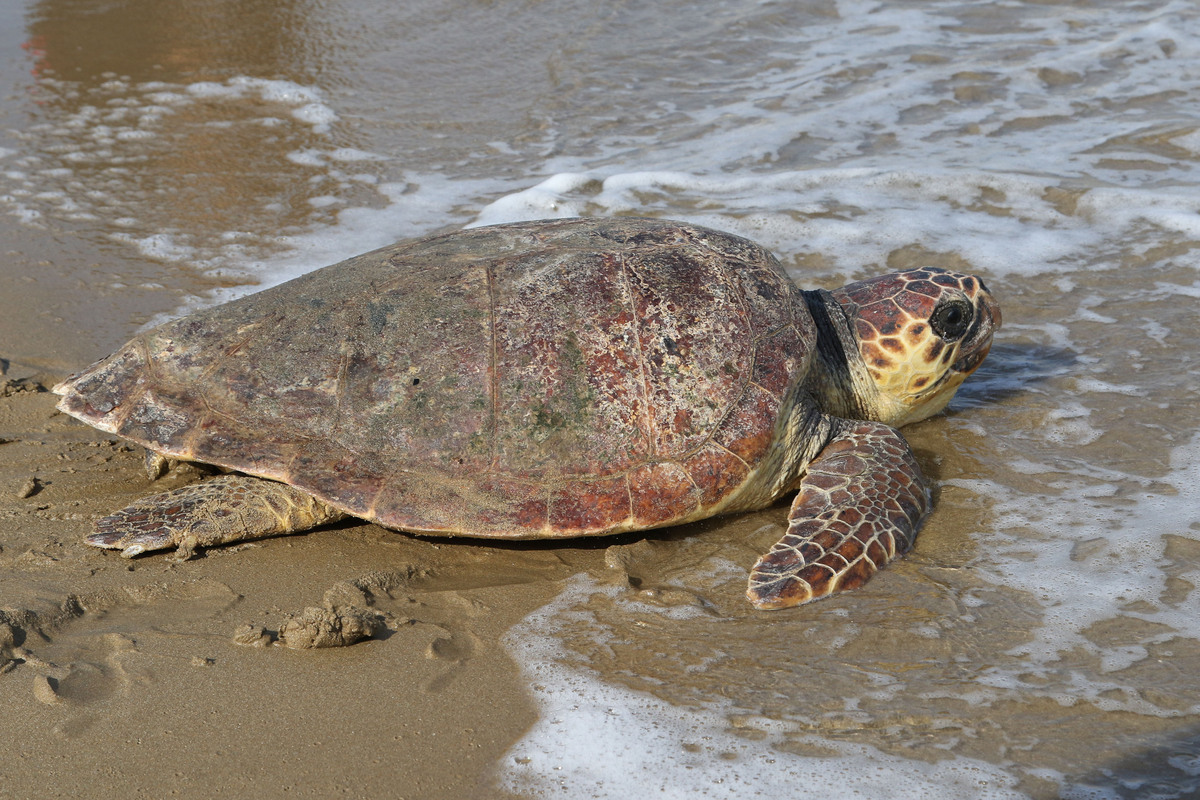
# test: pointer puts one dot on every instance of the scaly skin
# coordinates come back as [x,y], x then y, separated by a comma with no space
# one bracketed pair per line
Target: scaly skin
[894,349]
[221,510]
[859,506]
[895,320]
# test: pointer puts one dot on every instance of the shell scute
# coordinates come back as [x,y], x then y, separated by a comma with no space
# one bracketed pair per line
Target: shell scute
[715,471]
[749,429]
[524,506]
[660,492]
[779,357]
[412,501]
[569,389]
[692,333]
[771,300]
[534,379]
[590,507]
[158,416]
[215,437]
[338,474]
[102,388]
[411,383]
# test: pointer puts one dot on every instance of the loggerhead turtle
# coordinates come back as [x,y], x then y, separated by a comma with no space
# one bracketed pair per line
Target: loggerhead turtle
[551,379]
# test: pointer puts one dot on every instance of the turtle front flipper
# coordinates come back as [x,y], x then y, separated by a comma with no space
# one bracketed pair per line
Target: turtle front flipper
[859,506]
[228,508]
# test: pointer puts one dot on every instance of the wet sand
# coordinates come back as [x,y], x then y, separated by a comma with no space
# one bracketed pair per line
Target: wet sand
[1042,632]
[137,676]
[127,673]
[155,677]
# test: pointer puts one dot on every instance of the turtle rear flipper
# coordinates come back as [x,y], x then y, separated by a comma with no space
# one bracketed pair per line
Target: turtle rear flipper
[228,508]
[859,506]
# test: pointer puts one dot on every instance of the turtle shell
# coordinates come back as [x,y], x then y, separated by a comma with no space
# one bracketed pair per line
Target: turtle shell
[554,378]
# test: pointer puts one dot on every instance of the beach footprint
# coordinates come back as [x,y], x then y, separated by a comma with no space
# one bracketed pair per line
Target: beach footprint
[110,647]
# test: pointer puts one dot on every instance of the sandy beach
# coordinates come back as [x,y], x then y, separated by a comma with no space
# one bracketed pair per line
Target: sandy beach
[126,675]
[141,671]
[1040,641]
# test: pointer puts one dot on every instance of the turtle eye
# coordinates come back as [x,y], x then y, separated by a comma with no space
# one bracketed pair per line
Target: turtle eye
[950,320]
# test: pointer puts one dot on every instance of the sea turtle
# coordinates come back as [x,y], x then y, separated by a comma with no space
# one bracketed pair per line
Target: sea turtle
[553,379]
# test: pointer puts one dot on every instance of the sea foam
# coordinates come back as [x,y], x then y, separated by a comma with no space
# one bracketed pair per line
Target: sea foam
[593,739]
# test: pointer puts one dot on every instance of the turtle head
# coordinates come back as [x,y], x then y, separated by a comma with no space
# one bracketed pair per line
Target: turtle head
[908,340]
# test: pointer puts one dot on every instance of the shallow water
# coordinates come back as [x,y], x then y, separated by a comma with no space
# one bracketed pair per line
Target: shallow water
[1042,640]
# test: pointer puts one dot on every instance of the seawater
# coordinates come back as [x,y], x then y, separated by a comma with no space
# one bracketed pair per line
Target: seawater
[595,739]
[1048,615]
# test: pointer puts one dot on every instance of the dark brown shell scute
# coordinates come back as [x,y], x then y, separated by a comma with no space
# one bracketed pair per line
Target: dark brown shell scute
[551,378]
[778,358]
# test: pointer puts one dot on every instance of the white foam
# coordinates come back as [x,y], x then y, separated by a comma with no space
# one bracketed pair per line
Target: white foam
[319,115]
[791,211]
[353,154]
[307,100]
[161,246]
[1032,149]
[1086,559]
[597,740]
[308,158]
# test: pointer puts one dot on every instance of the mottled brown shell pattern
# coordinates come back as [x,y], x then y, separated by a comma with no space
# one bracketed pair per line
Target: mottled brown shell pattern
[527,380]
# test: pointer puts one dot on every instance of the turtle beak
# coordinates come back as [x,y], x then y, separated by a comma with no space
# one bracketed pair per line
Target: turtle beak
[978,341]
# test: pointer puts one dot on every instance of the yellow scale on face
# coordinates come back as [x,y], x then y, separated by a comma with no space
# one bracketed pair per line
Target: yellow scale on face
[910,339]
